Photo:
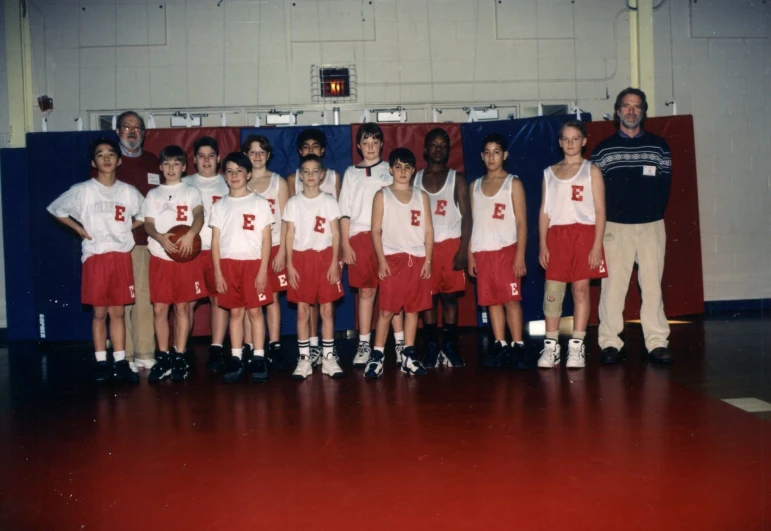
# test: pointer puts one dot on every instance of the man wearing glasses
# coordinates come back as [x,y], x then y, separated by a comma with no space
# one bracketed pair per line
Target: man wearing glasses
[142,170]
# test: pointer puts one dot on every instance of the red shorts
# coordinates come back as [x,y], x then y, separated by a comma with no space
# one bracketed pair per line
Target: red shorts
[363,274]
[404,288]
[207,266]
[174,283]
[444,279]
[496,283]
[313,286]
[241,293]
[569,247]
[107,280]
[278,281]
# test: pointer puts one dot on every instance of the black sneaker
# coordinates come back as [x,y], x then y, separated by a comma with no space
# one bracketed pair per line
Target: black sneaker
[610,356]
[161,369]
[123,373]
[410,363]
[258,367]
[246,353]
[661,355]
[494,358]
[178,366]
[216,359]
[450,356]
[519,357]
[276,357]
[234,369]
[103,372]
[432,355]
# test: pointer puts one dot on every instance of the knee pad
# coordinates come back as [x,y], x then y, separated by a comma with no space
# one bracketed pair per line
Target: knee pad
[553,297]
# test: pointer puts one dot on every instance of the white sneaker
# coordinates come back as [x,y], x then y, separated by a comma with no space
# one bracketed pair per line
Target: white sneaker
[142,364]
[304,368]
[576,354]
[330,367]
[399,348]
[550,355]
[363,352]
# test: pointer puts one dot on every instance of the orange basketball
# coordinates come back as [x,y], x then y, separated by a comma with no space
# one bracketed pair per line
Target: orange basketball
[176,233]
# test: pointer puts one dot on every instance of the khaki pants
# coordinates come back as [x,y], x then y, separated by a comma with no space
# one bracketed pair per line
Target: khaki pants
[624,245]
[140,335]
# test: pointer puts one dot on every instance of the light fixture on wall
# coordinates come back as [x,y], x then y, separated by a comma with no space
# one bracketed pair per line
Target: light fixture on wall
[481,114]
[397,114]
[333,83]
[180,119]
[275,117]
[673,104]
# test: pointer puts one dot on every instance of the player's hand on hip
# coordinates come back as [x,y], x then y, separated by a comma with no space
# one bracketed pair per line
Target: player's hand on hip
[543,257]
[294,277]
[349,255]
[333,274]
[261,281]
[425,271]
[279,262]
[595,257]
[460,261]
[83,234]
[167,244]
[472,266]
[384,271]
[519,268]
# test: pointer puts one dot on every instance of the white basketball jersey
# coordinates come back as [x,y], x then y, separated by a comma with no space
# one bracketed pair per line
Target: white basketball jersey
[569,201]
[404,225]
[241,221]
[105,213]
[494,223]
[328,185]
[444,211]
[169,206]
[212,190]
[312,218]
[271,194]
[360,184]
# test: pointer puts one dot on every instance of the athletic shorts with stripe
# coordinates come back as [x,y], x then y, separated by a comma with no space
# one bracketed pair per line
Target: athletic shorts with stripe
[404,289]
[313,286]
[174,282]
[240,276]
[107,280]
[496,283]
[569,247]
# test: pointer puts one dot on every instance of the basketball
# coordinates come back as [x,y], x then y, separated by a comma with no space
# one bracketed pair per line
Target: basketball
[176,233]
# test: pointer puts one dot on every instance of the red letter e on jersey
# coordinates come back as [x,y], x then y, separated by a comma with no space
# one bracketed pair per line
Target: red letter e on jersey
[441,206]
[319,226]
[498,211]
[248,218]
[577,193]
[181,212]
[415,221]
[119,211]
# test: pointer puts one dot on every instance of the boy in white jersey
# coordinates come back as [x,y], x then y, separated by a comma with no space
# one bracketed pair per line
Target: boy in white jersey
[213,187]
[313,266]
[451,215]
[241,225]
[314,142]
[272,187]
[497,256]
[172,283]
[101,211]
[571,228]
[403,237]
[360,184]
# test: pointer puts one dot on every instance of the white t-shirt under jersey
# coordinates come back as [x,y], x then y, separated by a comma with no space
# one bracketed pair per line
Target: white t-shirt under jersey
[169,206]
[360,184]
[105,213]
[444,211]
[404,225]
[569,201]
[494,224]
[328,185]
[241,221]
[271,194]
[312,218]
[212,190]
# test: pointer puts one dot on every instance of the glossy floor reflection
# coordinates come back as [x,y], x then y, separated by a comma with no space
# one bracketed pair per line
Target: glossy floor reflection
[628,447]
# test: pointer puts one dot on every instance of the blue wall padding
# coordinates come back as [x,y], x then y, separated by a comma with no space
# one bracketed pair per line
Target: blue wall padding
[285,161]
[532,146]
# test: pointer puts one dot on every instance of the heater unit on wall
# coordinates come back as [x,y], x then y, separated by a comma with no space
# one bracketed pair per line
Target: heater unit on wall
[336,84]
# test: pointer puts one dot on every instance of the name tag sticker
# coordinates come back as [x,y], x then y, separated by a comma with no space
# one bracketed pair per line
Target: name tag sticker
[649,170]
[154,178]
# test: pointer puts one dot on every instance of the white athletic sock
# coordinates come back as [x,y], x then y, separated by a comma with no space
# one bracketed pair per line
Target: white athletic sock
[364,338]
[119,355]
[328,347]
[101,355]
[381,349]
[314,341]
[260,353]
[216,344]
[305,348]
[399,337]
[502,343]
[237,352]
[520,343]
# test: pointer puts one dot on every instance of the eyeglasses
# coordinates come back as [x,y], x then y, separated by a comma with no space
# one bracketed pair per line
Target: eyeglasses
[132,128]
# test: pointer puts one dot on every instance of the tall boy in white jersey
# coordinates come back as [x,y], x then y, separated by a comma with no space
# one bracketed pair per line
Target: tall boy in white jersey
[213,187]
[451,215]
[571,227]
[314,142]
[101,211]
[360,184]
[241,225]
[497,254]
[402,234]
[272,187]
[172,283]
[313,266]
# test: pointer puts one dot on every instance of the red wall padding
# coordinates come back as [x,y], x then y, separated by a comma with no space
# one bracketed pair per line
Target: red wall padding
[682,285]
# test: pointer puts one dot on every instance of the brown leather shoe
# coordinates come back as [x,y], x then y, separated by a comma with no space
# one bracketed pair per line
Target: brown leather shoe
[661,355]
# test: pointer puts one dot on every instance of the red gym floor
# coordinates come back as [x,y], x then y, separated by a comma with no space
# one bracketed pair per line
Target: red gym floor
[618,448]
